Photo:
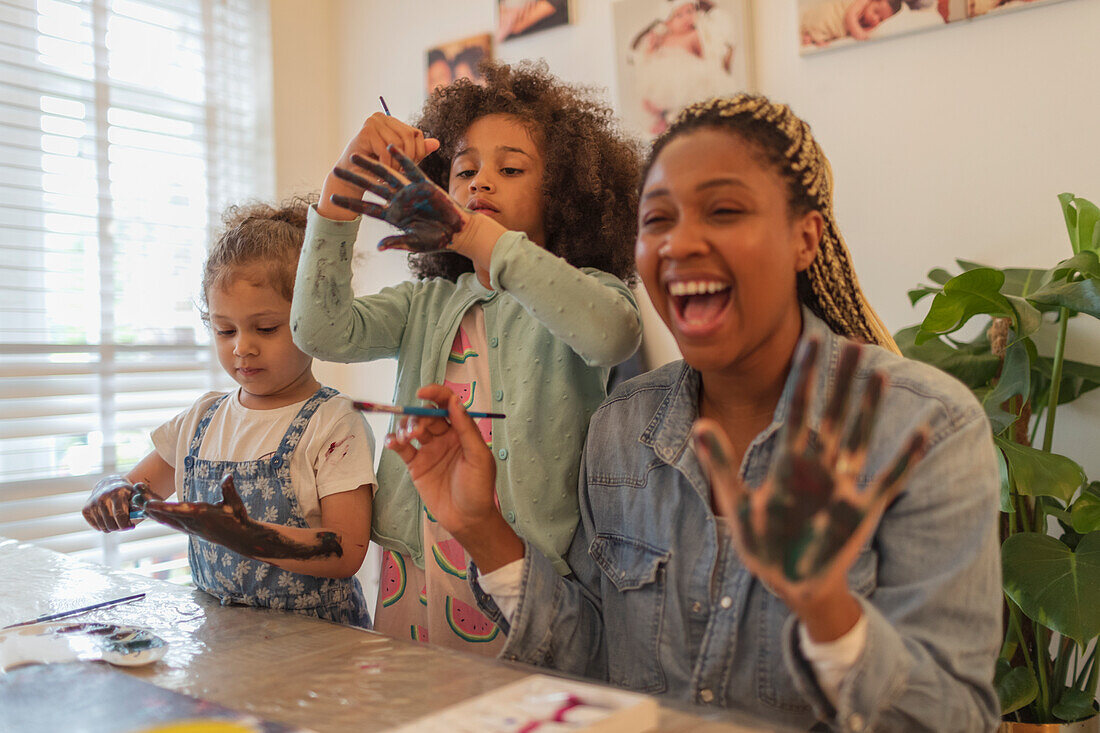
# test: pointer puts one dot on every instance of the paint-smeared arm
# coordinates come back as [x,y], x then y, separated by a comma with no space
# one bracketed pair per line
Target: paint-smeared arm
[327,321]
[593,312]
[319,551]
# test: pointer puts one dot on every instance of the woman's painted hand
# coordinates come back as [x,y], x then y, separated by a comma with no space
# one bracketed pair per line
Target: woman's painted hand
[377,134]
[108,506]
[802,529]
[453,470]
[227,523]
[428,216]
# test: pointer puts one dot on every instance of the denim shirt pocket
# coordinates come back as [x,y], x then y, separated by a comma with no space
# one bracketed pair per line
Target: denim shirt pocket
[633,615]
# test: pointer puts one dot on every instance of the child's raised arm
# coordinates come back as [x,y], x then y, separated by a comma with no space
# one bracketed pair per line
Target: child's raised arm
[591,311]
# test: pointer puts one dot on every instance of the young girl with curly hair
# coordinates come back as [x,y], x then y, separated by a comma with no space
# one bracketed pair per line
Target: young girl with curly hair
[521,221]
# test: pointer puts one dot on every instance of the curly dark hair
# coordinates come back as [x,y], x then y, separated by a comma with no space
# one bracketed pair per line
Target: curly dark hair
[258,233]
[590,183]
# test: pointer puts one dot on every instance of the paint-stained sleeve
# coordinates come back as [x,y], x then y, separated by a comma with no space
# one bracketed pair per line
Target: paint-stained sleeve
[326,320]
[592,311]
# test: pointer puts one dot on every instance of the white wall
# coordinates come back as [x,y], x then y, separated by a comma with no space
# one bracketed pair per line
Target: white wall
[951,143]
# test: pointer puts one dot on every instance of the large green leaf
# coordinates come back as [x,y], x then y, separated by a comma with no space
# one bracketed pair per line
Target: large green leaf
[1037,473]
[1081,217]
[1082,296]
[1028,317]
[1074,705]
[1054,585]
[1016,686]
[1015,380]
[972,364]
[972,293]
[1085,512]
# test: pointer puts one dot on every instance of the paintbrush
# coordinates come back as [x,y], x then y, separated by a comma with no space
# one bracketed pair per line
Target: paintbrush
[78,611]
[418,411]
[384,107]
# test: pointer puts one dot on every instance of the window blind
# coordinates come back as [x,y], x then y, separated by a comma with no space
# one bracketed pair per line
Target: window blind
[125,127]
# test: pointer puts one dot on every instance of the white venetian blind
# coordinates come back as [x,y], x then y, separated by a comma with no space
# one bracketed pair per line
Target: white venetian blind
[125,127]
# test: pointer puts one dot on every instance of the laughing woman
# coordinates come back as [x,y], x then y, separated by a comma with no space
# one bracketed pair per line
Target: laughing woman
[854,580]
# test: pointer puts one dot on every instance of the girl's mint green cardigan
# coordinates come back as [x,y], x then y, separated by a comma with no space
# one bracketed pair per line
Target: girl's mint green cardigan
[554,332]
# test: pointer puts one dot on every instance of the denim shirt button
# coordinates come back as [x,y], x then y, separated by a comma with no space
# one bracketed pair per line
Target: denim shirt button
[726,602]
[855,722]
[706,695]
[696,607]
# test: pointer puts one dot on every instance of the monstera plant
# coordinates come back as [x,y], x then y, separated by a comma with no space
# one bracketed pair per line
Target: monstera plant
[1050,512]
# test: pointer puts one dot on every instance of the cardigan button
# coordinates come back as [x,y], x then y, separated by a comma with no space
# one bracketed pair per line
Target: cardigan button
[503,453]
[498,395]
[494,341]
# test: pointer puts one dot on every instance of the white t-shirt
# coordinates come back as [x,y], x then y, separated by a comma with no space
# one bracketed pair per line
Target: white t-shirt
[335,454]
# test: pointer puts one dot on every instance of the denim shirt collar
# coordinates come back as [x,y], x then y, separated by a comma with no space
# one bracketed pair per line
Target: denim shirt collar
[669,432]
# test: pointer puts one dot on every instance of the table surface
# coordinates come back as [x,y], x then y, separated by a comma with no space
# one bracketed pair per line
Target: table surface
[280,666]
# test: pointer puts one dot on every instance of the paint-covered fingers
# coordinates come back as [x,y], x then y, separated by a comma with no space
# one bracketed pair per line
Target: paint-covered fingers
[108,507]
[890,483]
[231,499]
[716,456]
[378,189]
[833,418]
[797,434]
[408,167]
[384,173]
[359,206]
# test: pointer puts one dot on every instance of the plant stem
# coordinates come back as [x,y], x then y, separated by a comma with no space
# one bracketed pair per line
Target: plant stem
[1042,650]
[1056,376]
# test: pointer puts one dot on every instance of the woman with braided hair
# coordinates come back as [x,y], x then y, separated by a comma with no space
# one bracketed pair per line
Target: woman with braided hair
[794,520]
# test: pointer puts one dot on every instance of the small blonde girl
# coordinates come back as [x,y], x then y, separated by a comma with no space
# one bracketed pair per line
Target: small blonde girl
[274,476]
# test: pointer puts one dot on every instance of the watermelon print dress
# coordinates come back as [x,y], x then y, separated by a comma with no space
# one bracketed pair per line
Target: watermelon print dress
[435,605]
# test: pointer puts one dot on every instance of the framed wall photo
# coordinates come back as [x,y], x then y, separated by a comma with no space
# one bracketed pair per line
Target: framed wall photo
[828,24]
[456,60]
[978,8]
[517,18]
[670,53]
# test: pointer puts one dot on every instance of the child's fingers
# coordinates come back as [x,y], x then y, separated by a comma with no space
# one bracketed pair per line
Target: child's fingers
[398,241]
[409,168]
[384,192]
[359,206]
[387,174]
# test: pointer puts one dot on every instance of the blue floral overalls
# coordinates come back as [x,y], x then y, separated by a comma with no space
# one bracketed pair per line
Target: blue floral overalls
[264,487]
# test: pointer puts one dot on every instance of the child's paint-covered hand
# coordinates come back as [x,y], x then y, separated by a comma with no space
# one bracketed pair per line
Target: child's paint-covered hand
[227,523]
[426,213]
[802,529]
[378,133]
[108,506]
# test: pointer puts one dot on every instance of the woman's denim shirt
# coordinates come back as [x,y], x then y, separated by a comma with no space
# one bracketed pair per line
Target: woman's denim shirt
[661,603]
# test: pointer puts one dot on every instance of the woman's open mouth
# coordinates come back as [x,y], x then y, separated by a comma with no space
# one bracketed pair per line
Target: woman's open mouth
[699,305]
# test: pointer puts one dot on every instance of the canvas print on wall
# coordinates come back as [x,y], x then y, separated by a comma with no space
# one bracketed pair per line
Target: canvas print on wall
[977,8]
[517,18]
[671,53]
[826,24]
[449,62]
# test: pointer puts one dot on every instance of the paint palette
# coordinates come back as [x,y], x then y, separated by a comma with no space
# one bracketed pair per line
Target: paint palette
[126,646]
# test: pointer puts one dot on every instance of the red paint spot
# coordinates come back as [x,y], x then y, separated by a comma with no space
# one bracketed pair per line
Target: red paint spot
[333,446]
